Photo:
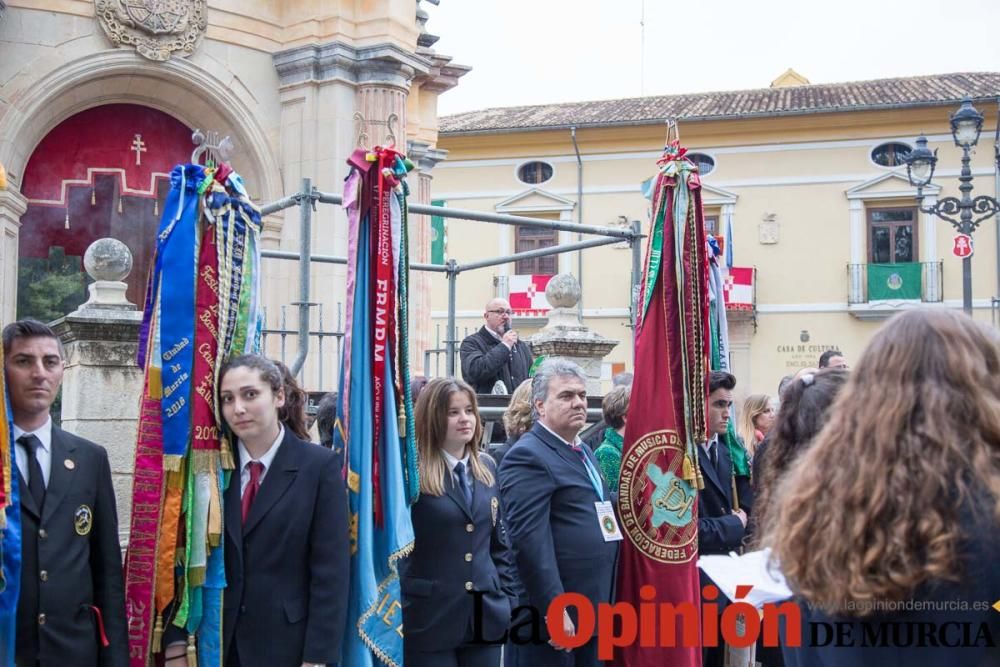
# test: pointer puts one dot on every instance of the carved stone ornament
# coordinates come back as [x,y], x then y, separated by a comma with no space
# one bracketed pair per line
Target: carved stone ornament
[157,29]
[768,229]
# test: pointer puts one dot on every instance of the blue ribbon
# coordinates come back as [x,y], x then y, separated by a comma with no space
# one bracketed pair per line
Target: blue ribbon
[11,561]
[210,626]
[176,265]
[595,477]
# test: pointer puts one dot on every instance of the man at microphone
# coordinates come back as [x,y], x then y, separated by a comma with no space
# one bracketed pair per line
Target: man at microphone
[494,355]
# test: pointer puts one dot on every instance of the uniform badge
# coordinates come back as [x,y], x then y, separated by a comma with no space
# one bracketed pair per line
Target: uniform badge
[83,520]
[69,464]
[494,508]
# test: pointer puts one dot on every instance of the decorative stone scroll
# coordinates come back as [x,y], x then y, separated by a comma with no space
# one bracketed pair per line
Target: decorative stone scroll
[157,29]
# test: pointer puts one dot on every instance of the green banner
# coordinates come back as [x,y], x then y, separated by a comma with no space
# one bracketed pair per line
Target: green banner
[894,281]
[439,235]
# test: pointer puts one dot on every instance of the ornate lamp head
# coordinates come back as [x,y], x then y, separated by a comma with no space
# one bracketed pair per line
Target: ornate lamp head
[920,164]
[966,124]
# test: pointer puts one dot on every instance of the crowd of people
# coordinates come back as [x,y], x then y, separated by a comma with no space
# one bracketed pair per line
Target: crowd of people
[873,488]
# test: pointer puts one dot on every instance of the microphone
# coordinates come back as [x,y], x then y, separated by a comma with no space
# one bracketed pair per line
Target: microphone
[505,327]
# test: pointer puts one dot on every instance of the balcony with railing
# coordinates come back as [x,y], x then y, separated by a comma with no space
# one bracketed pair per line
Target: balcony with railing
[878,290]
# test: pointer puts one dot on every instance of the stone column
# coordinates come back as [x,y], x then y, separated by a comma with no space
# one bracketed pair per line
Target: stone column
[564,335]
[426,158]
[321,88]
[102,384]
[12,206]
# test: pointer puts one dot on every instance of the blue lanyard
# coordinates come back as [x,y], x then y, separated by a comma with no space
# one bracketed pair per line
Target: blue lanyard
[595,478]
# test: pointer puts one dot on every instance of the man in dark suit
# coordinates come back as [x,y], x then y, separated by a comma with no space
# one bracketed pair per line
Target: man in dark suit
[71,609]
[553,499]
[722,519]
[494,353]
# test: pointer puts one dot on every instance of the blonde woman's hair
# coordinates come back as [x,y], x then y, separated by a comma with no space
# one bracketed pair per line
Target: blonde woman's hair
[874,508]
[432,428]
[614,406]
[517,419]
[754,406]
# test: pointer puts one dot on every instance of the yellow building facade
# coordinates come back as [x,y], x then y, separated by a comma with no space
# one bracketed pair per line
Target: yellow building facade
[810,177]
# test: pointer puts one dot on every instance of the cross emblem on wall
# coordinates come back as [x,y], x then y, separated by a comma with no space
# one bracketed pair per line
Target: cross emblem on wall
[139,147]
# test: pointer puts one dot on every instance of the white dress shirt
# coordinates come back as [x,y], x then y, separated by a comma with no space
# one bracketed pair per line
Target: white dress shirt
[452,462]
[706,447]
[577,442]
[43,454]
[266,459]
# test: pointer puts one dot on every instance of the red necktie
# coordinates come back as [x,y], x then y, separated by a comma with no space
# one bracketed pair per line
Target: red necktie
[249,493]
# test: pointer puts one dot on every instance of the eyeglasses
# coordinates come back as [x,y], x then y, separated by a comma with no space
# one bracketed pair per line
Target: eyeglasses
[501,311]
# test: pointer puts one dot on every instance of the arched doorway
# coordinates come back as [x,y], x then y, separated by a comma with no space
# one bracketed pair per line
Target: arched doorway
[101,172]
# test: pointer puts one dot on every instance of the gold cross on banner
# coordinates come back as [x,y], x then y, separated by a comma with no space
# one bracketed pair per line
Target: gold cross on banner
[139,147]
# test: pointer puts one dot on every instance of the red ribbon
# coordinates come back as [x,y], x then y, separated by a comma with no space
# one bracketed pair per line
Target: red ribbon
[383,310]
[140,560]
[204,434]
[100,626]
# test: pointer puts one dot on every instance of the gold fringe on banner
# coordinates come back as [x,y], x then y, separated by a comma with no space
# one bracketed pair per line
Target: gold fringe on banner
[203,460]
[173,463]
[157,644]
[215,512]
[226,454]
[192,652]
[196,576]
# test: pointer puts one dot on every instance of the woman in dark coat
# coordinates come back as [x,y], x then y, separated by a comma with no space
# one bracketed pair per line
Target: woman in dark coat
[888,527]
[460,557]
[286,550]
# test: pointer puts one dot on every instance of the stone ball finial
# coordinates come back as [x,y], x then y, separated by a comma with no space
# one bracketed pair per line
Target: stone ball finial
[108,259]
[563,291]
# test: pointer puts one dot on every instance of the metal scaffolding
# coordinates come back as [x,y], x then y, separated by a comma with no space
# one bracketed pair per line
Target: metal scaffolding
[307,198]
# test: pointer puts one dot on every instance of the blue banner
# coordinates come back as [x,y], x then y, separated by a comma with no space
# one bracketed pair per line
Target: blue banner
[375,625]
[11,556]
[176,261]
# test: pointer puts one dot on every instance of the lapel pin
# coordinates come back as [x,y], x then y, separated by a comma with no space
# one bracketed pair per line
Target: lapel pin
[69,464]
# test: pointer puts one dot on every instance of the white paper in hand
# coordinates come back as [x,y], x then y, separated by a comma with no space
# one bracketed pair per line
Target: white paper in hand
[750,569]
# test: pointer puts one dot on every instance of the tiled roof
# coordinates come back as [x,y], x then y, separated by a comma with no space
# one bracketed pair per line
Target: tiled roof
[940,89]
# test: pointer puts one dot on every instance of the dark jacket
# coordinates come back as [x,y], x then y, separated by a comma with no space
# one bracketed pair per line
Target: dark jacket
[548,503]
[287,567]
[456,552]
[485,360]
[954,631]
[500,450]
[71,562]
[593,435]
[719,530]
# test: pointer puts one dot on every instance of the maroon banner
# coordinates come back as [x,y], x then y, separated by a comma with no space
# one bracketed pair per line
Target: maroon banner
[205,432]
[658,487]
[383,307]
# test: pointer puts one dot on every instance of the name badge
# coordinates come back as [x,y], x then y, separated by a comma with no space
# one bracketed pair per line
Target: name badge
[607,521]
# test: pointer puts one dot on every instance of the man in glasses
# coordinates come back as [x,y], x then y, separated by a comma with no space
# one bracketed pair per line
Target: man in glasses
[495,354]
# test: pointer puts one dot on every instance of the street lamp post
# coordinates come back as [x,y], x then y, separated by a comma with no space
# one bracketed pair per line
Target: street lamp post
[966,124]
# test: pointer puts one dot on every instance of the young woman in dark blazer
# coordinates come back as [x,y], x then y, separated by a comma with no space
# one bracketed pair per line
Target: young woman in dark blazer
[461,551]
[287,554]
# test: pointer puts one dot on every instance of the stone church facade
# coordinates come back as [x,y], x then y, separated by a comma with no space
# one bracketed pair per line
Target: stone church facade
[98,100]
